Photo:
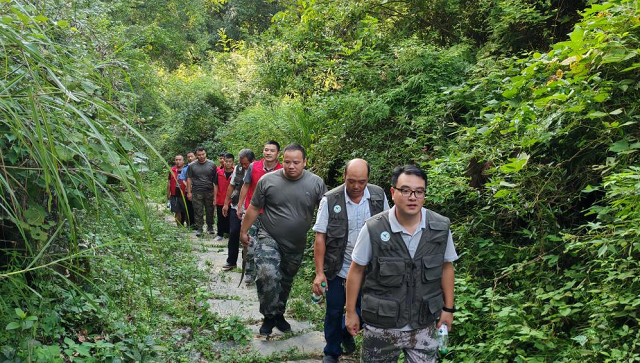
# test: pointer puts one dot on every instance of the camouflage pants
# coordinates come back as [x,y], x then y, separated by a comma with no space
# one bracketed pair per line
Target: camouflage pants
[384,345]
[274,275]
[250,267]
[203,204]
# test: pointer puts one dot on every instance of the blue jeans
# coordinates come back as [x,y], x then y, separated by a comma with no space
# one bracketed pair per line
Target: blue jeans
[334,329]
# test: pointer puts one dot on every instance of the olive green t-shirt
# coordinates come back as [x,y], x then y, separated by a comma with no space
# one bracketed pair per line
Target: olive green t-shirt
[288,207]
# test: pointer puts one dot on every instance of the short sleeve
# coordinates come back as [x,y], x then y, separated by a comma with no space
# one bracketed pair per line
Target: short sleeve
[322,218]
[322,189]
[450,253]
[362,250]
[259,196]
[190,173]
[247,175]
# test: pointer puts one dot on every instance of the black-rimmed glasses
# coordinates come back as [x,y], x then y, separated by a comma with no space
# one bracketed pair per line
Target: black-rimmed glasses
[406,192]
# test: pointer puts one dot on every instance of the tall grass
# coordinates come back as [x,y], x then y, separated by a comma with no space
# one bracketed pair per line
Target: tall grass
[63,153]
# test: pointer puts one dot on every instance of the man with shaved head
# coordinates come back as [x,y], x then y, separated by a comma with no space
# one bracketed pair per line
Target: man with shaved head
[288,198]
[341,215]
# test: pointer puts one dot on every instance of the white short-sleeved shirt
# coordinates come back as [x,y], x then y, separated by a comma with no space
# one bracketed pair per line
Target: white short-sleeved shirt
[357,214]
[362,250]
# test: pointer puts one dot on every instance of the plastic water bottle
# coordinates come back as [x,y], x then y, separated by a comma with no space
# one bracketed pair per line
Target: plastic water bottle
[443,339]
[317,299]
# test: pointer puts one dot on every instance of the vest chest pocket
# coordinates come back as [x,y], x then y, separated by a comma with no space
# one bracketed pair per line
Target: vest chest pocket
[380,312]
[439,231]
[391,272]
[431,308]
[432,267]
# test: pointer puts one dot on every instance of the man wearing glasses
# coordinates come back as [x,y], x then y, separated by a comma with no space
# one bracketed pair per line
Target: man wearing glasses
[407,255]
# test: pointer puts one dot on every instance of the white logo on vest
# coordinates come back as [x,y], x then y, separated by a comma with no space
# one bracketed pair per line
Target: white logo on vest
[385,236]
[337,209]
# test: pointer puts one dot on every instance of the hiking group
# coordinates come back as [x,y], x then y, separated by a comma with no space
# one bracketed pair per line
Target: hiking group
[385,271]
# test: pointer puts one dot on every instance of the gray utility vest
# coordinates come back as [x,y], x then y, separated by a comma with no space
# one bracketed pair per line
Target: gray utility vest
[399,290]
[338,225]
[238,182]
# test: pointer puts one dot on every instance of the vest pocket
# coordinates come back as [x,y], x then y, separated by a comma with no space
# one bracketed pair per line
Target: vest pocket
[380,312]
[439,231]
[391,272]
[431,308]
[329,263]
[432,267]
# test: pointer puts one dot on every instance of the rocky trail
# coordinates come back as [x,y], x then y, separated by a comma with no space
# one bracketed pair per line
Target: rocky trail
[229,299]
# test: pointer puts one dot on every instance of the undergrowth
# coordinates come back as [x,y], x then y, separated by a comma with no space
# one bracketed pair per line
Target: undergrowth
[136,301]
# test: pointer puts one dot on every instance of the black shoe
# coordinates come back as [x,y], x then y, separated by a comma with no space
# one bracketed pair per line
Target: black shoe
[282,324]
[199,234]
[267,326]
[228,267]
[211,231]
[349,346]
[329,359]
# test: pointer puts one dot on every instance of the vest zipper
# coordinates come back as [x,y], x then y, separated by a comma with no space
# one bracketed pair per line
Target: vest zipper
[411,283]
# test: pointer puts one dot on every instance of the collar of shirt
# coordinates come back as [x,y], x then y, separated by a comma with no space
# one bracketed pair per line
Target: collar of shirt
[397,227]
[364,198]
[264,167]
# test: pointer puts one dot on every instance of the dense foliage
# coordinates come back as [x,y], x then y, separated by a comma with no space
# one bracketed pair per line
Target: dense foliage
[523,112]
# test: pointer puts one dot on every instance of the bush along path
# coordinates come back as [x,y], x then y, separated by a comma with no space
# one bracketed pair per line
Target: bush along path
[236,308]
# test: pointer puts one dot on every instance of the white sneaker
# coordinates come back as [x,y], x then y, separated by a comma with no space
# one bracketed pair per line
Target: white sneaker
[218,239]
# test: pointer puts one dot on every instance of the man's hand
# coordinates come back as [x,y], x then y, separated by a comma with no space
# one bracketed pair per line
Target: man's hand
[447,318]
[354,281]
[244,238]
[317,284]
[189,196]
[249,219]
[225,210]
[352,322]
[447,285]
[240,211]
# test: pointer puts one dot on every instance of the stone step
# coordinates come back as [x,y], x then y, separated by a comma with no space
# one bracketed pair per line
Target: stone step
[247,310]
[311,343]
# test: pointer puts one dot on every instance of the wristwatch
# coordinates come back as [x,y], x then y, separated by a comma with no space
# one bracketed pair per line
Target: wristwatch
[449,310]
